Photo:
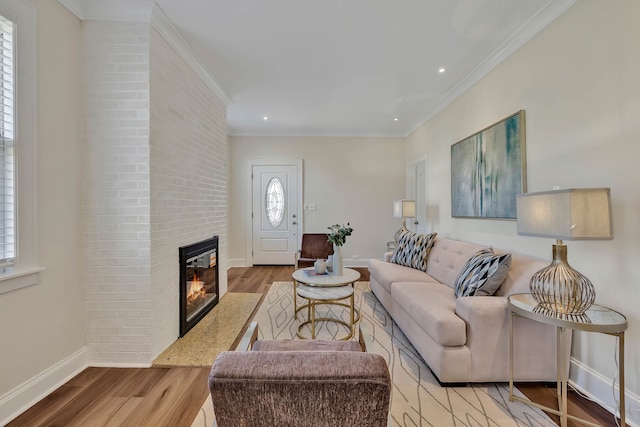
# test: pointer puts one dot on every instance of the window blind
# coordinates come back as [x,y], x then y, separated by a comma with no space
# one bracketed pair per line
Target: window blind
[7,142]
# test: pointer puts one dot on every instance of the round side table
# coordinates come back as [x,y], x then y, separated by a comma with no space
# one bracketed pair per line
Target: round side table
[596,319]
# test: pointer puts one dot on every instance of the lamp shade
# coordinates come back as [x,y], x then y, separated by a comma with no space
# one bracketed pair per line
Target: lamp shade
[404,209]
[574,214]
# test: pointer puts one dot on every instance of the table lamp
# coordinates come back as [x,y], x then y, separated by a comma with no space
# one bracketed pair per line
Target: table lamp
[403,209]
[574,214]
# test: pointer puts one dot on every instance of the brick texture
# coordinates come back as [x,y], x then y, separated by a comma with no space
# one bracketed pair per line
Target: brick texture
[188,178]
[154,179]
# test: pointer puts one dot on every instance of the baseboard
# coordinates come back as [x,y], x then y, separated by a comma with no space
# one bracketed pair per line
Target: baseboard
[598,388]
[21,398]
[236,262]
[118,365]
[348,262]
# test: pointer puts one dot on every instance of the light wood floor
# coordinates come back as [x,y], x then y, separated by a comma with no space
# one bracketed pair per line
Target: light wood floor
[171,397]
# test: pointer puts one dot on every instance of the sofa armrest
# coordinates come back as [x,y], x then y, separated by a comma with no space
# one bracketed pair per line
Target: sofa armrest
[487,319]
[483,315]
[387,256]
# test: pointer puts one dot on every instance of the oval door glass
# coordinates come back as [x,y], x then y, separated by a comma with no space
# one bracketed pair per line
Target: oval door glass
[274,202]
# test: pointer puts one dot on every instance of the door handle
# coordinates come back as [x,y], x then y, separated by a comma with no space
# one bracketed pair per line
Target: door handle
[415,223]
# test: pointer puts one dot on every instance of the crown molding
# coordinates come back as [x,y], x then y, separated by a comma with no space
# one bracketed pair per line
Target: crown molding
[317,134]
[147,11]
[112,10]
[544,17]
[75,6]
[161,23]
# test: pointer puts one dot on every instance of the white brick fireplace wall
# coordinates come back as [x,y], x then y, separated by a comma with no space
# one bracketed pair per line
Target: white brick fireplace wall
[116,212]
[188,178]
[155,178]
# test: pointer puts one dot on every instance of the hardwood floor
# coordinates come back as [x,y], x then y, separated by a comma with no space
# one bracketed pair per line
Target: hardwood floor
[578,406]
[171,397]
[123,397]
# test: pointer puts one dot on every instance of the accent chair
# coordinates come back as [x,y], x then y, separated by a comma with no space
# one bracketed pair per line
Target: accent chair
[300,383]
[314,246]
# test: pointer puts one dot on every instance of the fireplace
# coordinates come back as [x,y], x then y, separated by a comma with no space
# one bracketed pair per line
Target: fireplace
[198,282]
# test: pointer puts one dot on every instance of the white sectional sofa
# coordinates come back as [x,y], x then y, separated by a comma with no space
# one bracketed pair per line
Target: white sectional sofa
[465,339]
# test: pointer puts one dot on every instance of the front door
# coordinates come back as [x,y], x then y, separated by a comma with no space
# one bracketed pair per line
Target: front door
[275,214]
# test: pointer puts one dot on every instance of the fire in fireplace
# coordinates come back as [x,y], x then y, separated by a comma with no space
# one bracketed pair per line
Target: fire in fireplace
[198,282]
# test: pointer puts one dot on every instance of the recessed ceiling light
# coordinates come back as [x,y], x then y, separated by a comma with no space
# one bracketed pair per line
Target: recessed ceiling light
[396,119]
[442,70]
[265,118]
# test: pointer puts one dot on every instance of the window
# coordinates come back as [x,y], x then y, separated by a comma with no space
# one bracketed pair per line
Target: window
[7,193]
[18,76]
[274,199]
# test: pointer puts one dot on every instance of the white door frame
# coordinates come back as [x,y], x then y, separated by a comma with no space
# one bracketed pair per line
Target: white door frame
[249,200]
[411,188]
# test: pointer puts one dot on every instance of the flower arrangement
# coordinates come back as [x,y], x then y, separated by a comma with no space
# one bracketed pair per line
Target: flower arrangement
[338,235]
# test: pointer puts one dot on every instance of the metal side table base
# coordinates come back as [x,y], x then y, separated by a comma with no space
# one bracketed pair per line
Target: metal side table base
[596,319]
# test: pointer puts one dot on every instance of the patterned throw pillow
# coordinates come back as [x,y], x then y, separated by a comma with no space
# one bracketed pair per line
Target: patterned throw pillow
[482,274]
[413,249]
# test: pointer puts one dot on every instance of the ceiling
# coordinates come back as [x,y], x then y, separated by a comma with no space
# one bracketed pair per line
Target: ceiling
[350,67]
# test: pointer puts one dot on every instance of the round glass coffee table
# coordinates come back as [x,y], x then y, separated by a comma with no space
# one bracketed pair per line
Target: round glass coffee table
[324,289]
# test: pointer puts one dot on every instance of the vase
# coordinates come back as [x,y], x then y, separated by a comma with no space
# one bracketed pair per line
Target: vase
[320,266]
[337,261]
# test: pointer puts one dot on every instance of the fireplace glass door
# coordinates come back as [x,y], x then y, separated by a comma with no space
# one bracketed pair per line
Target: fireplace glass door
[198,282]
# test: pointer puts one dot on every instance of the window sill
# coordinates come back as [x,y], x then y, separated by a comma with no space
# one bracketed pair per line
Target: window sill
[19,279]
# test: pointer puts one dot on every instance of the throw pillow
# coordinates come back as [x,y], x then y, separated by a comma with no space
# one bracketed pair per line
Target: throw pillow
[413,249]
[482,274]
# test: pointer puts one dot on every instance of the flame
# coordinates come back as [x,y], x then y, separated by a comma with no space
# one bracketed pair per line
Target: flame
[195,288]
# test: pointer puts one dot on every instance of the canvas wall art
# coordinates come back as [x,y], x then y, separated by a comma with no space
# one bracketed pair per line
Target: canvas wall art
[488,170]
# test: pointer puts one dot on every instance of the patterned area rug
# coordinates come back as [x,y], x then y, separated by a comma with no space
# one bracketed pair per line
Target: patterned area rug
[215,333]
[417,398]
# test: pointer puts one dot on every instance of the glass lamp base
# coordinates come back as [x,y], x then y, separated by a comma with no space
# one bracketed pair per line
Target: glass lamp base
[561,289]
[400,230]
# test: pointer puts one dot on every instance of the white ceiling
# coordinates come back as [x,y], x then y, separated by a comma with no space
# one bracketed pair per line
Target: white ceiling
[349,67]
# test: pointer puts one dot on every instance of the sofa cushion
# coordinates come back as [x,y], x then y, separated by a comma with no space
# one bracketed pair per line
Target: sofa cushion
[413,249]
[433,307]
[483,274]
[386,273]
[447,259]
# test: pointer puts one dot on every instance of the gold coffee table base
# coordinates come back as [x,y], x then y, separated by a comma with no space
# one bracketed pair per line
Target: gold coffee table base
[325,319]
[326,296]
[356,312]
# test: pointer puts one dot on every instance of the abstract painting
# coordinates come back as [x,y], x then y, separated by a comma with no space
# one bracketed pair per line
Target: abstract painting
[488,170]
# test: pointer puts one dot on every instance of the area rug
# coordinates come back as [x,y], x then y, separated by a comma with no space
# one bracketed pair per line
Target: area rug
[214,334]
[417,398]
